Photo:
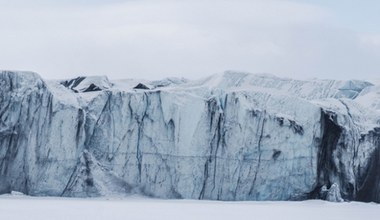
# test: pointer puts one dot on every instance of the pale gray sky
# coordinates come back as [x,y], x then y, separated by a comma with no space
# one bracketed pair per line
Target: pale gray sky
[191,38]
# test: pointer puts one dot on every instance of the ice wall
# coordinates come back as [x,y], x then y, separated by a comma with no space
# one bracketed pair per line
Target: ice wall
[232,136]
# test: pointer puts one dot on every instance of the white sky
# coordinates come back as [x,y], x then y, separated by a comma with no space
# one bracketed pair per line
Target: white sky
[191,38]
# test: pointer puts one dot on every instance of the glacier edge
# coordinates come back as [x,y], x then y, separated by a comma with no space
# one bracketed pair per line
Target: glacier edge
[232,136]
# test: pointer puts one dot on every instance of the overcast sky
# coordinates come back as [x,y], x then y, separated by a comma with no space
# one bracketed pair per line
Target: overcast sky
[153,39]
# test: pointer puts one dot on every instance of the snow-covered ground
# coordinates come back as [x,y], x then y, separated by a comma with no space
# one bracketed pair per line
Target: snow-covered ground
[23,207]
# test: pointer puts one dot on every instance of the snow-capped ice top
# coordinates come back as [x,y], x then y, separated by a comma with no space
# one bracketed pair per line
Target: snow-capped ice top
[20,80]
[313,89]
[128,84]
[366,93]
[88,83]
[307,89]
[370,96]
[363,97]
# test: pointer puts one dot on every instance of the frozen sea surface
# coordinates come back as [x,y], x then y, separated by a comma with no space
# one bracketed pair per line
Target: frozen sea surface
[23,207]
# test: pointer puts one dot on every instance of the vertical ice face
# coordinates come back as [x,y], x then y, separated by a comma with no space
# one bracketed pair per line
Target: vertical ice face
[178,145]
[40,137]
[233,136]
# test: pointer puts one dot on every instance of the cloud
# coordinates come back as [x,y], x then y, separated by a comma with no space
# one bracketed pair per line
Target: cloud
[154,39]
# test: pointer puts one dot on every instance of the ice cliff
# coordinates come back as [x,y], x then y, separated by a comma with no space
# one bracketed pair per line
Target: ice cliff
[231,136]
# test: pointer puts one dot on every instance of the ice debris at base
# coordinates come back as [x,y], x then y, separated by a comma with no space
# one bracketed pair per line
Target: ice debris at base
[332,194]
[230,136]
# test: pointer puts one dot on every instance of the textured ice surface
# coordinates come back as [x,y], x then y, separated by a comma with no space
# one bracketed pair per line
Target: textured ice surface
[231,136]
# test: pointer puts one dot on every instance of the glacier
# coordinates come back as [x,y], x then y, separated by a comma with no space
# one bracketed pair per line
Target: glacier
[231,136]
